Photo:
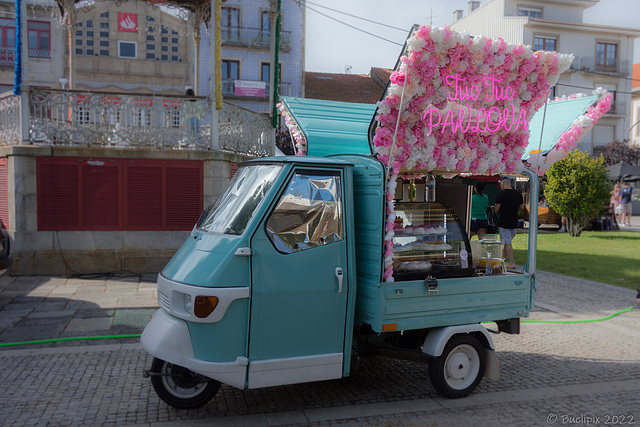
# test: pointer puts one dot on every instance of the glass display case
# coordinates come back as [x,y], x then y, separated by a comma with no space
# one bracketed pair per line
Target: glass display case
[429,240]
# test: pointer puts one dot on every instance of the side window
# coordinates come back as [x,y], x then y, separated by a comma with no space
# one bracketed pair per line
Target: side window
[309,214]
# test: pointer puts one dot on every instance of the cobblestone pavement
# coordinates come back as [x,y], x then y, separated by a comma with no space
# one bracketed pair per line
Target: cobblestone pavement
[551,374]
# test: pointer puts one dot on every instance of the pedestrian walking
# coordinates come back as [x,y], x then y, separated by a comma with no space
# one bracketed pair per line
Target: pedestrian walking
[508,203]
[625,202]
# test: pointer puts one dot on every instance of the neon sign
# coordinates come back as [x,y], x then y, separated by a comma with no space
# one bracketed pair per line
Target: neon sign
[477,120]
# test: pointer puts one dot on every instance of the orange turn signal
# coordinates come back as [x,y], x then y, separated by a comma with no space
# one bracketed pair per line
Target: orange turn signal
[387,327]
[204,306]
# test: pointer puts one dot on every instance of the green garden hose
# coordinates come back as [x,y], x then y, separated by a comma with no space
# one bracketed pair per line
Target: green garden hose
[617,313]
[13,344]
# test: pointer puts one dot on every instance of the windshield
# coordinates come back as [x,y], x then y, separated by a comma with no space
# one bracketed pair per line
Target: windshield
[233,210]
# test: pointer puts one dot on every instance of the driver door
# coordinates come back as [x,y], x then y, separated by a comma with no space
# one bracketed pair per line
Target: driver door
[299,289]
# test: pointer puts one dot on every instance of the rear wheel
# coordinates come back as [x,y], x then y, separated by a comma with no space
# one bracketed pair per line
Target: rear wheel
[459,370]
[181,388]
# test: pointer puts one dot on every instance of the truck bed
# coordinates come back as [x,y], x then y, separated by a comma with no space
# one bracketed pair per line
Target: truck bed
[410,305]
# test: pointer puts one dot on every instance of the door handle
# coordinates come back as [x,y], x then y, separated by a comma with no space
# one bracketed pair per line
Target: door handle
[339,274]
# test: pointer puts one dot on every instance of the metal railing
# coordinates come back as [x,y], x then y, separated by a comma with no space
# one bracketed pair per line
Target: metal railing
[99,119]
[589,64]
[253,37]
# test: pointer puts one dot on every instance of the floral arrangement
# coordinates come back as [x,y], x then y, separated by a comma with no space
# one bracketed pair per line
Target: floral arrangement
[460,104]
[294,129]
[570,138]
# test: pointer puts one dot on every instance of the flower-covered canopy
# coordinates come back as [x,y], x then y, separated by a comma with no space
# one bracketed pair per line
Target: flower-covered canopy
[464,102]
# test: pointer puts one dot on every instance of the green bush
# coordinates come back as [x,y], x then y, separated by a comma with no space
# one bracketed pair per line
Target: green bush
[578,188]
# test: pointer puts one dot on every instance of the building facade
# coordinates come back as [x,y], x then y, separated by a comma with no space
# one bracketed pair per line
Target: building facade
[603,54]
[246,52]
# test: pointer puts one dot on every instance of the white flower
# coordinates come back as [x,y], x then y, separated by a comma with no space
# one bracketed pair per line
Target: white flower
[437,34]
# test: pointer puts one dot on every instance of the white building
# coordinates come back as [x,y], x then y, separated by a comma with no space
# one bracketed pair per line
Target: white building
[603,54]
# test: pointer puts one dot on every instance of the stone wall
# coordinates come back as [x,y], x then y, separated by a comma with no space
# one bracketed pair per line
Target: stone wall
[89,252]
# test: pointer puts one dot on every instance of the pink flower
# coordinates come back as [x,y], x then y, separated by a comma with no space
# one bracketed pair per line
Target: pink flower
[397,78]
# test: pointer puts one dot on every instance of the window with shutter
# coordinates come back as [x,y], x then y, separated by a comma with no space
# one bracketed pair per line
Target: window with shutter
[118,194]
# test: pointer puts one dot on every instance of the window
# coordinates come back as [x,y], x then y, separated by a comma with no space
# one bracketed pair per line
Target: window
[104,43]
[233,210]
[39,34]
[309,213]
[230,23]
[265,25]
[151,55]
[531,12]
[545,43]
[104,34]
[104,52]
[7,41]
[104,15]
[265,71]
[606,54]
[118,194]
[230,70]
[151,38]
[151,19]
[127,49]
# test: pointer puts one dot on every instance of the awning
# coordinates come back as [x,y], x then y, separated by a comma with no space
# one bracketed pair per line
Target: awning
[559,117]
[332,127]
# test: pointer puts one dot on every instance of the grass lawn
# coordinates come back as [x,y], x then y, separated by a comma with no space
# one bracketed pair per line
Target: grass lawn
[603,256]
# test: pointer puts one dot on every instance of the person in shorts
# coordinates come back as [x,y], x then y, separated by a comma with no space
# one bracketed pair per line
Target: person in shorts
[479,204]
[508,203]
[625,203]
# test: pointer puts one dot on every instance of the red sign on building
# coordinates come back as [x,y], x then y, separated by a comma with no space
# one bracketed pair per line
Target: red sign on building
[127,22]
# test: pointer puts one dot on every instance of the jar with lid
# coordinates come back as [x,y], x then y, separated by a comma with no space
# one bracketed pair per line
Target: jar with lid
[490,260]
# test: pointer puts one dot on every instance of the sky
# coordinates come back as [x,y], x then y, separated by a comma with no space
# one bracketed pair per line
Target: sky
[331,47]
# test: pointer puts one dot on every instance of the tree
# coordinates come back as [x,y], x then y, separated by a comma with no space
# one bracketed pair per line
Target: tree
[578,188]
[620,151]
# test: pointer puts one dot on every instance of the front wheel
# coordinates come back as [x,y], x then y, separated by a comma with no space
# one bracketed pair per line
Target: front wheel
[459,370]
[181,388]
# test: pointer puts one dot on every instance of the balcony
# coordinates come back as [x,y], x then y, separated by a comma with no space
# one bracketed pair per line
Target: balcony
[256,38]
[129,121]
[8,54]
[230,90]
[588,64]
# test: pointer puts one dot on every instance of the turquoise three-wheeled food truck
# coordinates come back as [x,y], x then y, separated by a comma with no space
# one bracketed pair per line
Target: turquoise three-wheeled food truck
[307,263]
[282,279]
[281,283]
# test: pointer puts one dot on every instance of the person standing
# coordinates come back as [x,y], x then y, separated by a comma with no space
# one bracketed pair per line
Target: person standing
[615,203]
[479,205]
[508,203]
[625,202]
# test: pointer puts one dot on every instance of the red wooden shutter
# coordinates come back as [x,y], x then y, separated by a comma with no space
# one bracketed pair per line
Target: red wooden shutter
[101,196]
[57,195]
[233,168]
[184,197]
[4,193]
[144,197]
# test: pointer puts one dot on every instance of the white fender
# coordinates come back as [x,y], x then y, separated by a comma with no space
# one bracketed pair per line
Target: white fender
[437,338]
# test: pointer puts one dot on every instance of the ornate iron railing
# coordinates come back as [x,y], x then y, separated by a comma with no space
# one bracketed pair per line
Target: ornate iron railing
[99,119]
[235,123]
[253,37]
[10,110]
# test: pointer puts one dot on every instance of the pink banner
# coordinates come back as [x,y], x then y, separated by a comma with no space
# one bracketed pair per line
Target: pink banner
[250,88]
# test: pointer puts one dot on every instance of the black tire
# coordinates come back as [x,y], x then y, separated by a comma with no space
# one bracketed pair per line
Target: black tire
[182,389]
[460,368]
